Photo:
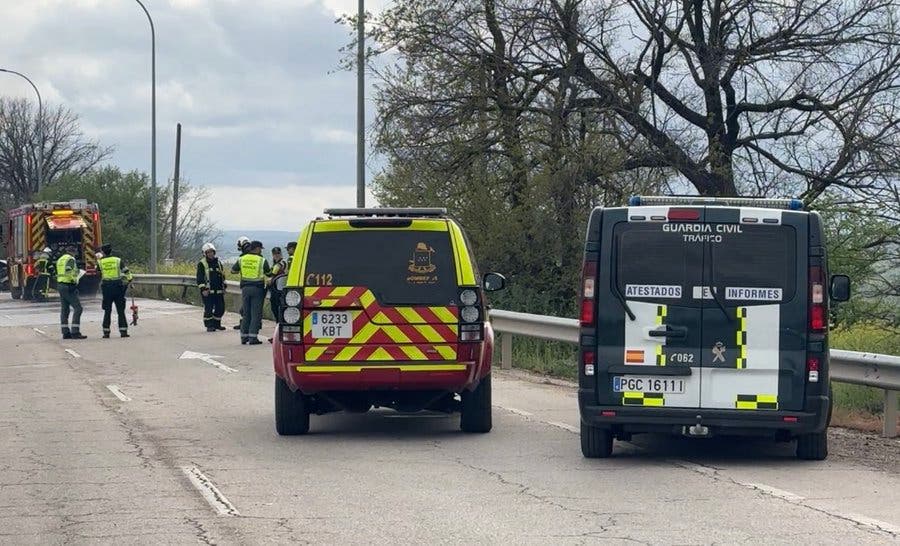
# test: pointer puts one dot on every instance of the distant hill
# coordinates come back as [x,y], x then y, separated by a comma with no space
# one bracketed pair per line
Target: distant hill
[227,248]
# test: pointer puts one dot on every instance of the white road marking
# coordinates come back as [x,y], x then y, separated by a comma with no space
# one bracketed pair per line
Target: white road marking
[73,353]
[27,366]
[118,393]
[563,426]
[209,359]
[8,317]
[38,330]
[517,411]
[792,498]
[210,492]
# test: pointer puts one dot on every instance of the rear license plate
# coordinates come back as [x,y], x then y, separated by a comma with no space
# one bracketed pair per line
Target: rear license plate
[332,324]
[639,383]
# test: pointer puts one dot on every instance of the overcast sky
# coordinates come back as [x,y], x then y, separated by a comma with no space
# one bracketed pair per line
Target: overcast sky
[268,121]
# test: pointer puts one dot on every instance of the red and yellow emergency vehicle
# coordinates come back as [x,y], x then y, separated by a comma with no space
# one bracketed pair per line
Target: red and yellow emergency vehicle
[32,228]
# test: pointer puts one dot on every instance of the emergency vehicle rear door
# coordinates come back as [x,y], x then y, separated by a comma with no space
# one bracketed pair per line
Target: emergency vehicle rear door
[649,326]
[754,309]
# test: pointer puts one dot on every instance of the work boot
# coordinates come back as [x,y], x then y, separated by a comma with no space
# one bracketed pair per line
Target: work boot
[124,334]
[67,335]
[78,336]
[254,341]
[243,341]
[220,328]
[236,327]
[105,335]
[210,329]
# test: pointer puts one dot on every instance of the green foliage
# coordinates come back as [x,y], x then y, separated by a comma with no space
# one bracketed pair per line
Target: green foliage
[124,200]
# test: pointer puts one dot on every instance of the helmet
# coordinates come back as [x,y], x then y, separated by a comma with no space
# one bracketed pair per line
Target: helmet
[47,250]
[242,241]
[208,246]
[99,255]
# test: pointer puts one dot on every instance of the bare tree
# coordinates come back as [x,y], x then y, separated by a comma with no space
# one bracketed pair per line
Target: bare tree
[194,226]
[65,147]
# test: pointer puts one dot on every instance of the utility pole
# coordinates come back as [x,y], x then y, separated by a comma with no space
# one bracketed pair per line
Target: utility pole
[40,127]
[172,237]
[361,106]
[154,246]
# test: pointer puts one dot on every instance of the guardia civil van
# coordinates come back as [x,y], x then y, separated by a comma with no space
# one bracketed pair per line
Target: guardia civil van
[706,316]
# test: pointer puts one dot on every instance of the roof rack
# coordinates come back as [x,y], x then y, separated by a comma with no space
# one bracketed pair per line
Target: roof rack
[763,202]
[406,212]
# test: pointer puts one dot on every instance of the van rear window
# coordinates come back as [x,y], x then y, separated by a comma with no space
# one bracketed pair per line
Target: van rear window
[749,263]
[401,267]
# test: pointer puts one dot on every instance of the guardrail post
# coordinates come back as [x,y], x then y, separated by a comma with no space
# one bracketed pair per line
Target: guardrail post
[506,351]
[890,413]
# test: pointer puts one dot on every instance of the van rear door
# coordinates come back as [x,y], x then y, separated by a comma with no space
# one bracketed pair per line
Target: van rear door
[754,324]
[649,327]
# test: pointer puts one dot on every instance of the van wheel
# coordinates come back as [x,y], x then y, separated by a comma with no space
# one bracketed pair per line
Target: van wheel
[291,413]
[596,443]
[476,408]
[813,447]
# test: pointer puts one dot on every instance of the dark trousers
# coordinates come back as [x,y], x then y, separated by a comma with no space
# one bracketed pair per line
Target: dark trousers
[68,298]
[114,293]
[252,299]
[41,285]
[213,309]
[275,302]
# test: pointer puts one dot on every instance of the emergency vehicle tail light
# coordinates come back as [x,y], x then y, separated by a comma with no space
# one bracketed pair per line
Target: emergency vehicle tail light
[684,215]
[812,368]
[588,292]
[28,219]
[790,419]
[29,270]
[608,413]
[589,359]
[471,332]
[818,313]
[789,204]
[291,334]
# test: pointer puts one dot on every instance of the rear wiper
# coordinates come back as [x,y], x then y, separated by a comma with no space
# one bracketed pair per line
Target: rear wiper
[619,295]
[712,288]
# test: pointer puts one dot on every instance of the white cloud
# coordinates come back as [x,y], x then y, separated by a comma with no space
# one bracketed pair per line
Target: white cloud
[287,207]
[333,135]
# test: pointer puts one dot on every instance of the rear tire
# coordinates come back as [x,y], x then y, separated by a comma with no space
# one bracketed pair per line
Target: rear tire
[476,408]
[596,443]
[813,447]
[291,413]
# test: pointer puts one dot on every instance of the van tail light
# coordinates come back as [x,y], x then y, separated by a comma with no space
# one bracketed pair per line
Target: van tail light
[588,359]
[684,215]
[812,369]
[818,310]
[588,293]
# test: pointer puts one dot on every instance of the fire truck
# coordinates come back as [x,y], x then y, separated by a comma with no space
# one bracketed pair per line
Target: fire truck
[32,228]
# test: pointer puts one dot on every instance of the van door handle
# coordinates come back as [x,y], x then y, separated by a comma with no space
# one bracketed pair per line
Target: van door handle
[670,333]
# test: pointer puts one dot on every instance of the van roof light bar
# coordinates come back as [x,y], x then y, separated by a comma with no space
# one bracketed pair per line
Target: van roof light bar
[405,212]
[766,203]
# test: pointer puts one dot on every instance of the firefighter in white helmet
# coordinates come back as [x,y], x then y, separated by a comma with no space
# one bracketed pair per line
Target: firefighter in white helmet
[211,282]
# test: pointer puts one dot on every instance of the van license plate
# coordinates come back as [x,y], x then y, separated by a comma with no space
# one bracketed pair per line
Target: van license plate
[638,383]
[332,324]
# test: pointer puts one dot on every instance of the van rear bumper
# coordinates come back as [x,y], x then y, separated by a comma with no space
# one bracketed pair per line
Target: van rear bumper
[719,421]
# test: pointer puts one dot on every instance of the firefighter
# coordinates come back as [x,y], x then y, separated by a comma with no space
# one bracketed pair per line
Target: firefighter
[253,269]
[243,245]
[42,266]
[211,281]
[67,286]
[279,269]
[114,280]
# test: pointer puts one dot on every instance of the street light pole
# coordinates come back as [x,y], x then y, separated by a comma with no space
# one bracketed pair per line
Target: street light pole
[153,232]
[40,128]
[361,106]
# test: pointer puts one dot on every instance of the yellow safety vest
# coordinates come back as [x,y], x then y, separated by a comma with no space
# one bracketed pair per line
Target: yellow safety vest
[111,268]
[252,268]
[41,266]
[63,276]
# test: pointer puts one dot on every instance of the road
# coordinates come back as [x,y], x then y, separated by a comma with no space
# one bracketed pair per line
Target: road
[123,441]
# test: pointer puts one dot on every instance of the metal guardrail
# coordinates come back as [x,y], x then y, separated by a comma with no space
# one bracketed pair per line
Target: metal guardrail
[870,369]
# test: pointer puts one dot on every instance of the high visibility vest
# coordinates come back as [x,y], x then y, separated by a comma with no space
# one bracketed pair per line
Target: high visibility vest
[252,268]
[207,270]
[111,268]
[63,276]
[41,265]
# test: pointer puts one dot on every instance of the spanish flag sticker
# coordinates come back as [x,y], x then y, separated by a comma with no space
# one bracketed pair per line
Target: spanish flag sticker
[634,356]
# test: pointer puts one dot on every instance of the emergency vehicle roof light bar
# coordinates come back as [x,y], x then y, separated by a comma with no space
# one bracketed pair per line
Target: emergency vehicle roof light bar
[409,212]
[789,204]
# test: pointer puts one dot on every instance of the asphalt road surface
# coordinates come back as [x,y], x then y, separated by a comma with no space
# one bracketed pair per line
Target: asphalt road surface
[168,438]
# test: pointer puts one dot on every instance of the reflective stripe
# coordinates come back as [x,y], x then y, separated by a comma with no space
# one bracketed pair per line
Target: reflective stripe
[643,399]
[661,312]
[756,402]
[741,338]
[403,368]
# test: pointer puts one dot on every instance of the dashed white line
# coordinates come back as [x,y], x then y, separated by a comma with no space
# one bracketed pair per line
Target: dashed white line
[73,353]
[530,417]
[563,426]
[774,492]
[517,411]
[209,491]
[38,330]
[118,393]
